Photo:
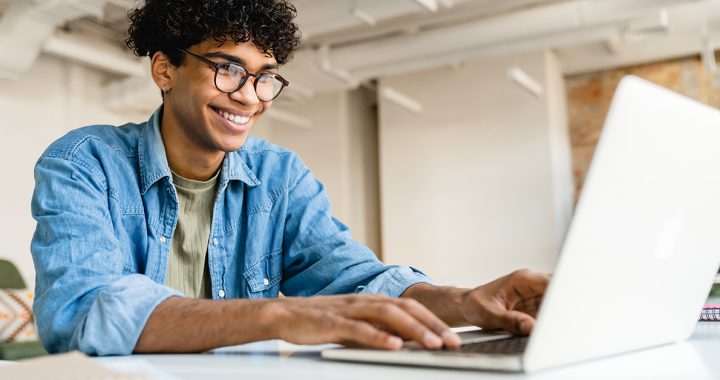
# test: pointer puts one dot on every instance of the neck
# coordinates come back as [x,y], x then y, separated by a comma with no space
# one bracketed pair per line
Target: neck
[184,157]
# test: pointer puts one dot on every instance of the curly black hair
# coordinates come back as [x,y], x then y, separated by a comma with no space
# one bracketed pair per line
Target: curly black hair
[165,25]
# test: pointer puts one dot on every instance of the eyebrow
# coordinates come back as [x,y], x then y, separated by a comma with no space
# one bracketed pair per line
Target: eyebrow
[232,58]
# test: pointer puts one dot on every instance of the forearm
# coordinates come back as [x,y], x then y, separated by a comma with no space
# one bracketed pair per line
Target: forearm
[194,325]
[444,301]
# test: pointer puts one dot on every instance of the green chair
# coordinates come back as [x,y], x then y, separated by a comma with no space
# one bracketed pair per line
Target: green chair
[10,278]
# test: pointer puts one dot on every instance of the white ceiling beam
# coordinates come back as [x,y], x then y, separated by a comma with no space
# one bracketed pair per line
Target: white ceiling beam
[95,54]
[536,43]
[559,24]
[26,25]
[457,11]
[535,21]
[586,60]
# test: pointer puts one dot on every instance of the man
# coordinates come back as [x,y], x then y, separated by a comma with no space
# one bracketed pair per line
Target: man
[178,234]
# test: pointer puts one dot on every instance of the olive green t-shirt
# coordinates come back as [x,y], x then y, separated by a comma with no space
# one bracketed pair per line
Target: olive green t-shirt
[188,269]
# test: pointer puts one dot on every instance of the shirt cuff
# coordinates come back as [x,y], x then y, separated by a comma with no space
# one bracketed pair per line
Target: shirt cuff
[118,316]
[394,281]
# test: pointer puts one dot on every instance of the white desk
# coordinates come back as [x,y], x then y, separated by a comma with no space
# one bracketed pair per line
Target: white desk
[698,358]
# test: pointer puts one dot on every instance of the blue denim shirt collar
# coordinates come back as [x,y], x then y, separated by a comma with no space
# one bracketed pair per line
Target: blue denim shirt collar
[154,165]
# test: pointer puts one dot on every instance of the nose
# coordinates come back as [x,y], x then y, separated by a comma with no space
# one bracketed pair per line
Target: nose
[246,94]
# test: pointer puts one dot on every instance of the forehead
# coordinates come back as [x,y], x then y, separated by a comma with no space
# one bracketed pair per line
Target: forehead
[246,52]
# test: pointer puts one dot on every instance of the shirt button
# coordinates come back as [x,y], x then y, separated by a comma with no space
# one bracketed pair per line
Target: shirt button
[163,239]
[215,241]
[168,189]
[221,293]
[266,282]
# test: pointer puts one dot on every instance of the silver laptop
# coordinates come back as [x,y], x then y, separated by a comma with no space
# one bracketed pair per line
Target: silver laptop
[640,255]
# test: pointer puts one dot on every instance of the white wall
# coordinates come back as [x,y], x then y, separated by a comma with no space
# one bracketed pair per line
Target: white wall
[51,99]
[468,187]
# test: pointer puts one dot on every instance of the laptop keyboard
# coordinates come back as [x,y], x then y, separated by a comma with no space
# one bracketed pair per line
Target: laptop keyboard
[509,346]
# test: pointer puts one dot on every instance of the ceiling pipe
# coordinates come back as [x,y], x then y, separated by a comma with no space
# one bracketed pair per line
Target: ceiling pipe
[562,17]
[556,17]
[501,49]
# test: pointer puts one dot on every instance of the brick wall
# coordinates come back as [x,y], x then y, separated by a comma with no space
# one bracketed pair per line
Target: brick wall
[589,97]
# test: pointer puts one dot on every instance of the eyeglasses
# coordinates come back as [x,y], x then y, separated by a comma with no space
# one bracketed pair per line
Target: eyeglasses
[230,77]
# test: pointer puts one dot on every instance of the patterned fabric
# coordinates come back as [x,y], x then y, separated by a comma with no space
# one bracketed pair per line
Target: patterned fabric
[17,323]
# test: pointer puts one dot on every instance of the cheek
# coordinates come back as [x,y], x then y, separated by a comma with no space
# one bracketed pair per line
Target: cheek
[197,90]
[264,107]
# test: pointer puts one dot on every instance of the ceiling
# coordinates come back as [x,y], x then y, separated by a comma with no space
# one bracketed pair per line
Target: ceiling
[349,42]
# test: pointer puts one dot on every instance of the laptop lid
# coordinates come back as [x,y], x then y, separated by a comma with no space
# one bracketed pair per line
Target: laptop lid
[644,244]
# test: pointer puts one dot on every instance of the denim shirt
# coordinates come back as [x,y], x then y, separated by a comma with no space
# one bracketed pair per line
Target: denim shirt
[106,209]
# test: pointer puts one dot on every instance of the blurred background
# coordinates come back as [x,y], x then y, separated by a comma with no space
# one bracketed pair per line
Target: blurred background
[452,135]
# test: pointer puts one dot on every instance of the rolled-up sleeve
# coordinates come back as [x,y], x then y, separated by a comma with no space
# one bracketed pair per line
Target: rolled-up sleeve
[84,300]
[320,256]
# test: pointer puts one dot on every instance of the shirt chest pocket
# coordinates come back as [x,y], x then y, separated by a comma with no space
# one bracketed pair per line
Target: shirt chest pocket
[264,276]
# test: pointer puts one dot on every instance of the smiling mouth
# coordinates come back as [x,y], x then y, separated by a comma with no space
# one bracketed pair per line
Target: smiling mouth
[235,119]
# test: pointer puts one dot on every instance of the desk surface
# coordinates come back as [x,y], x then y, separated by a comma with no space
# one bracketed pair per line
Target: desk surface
[695,359]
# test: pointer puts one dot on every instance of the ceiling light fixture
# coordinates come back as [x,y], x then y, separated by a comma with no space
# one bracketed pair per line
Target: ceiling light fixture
[364,17]
[431,5]
[398,98]
[524,80]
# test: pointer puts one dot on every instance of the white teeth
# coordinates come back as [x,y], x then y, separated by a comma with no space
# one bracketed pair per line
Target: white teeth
[237,119]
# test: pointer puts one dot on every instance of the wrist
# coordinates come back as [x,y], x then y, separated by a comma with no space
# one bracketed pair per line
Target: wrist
[446,302]
[273,316]
[257,319]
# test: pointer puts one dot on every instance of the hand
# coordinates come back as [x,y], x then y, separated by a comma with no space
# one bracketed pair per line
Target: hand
[509,303]
[359,320]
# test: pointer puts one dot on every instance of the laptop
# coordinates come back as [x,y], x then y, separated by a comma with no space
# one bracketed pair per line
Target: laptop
[640,255]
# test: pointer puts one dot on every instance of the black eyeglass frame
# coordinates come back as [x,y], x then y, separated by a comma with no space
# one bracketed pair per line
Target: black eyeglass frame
[216,66]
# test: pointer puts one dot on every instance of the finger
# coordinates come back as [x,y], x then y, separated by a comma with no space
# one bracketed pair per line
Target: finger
[354,332]
[425,316]
[388,314]
[515,322]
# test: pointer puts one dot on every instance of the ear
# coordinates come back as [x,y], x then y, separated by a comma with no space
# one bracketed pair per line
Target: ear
[163,72]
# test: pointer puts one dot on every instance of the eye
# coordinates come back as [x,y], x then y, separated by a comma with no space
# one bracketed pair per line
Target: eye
[232,70]
[266,78]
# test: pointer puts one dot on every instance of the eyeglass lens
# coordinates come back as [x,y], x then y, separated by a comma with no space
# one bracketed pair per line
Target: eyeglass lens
[231,77]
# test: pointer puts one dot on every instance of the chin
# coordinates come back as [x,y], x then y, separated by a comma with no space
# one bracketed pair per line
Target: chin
[231,146]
